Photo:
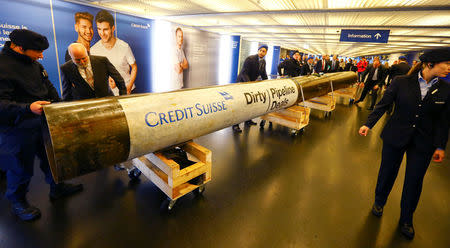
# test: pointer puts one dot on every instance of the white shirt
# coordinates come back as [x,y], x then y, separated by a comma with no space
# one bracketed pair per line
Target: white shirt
[178,77]
[120,55]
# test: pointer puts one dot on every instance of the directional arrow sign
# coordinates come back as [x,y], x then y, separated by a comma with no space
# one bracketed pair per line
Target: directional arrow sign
[358,35]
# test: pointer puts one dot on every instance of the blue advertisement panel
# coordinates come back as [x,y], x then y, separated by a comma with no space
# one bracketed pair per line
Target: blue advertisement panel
[235,48]
[275,60]
[136,32]
[64,17]
[34,15]
[359,35]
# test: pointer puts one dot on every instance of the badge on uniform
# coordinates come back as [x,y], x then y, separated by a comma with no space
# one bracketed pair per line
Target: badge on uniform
[44,74]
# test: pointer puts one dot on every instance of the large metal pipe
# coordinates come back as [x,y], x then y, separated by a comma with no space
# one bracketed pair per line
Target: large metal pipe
[84,136]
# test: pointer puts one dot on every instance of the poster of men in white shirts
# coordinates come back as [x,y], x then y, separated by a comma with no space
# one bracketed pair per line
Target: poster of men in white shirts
[181,62]
[116,50]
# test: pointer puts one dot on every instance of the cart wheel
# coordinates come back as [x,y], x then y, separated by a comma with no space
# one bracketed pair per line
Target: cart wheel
[199,191]
[171,204]
[134,173]
[167,205]
[294,132]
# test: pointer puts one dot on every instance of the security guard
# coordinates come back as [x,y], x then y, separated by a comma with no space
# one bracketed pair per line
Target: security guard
[418,127]
[24,89]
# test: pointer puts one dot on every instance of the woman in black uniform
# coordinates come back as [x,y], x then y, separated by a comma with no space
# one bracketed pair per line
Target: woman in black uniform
[419,126]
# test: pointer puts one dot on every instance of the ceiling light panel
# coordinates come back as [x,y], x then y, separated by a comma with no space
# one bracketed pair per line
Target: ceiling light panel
[227,6]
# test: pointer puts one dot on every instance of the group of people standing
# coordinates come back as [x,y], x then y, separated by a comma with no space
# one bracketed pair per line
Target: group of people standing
[298,65]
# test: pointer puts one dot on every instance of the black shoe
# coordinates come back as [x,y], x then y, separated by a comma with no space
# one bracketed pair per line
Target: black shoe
[250,123]
[61,190]
[25,211]
[407,230]
[237,129]
[262,123]
[357,101]
[377,210]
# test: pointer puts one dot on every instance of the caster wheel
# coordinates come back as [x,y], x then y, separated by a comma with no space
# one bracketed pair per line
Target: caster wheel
[199,191]
[171,204]
[134,173]
[294,132]
[167,205]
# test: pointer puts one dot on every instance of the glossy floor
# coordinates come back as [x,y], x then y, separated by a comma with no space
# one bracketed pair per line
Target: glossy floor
[268,190]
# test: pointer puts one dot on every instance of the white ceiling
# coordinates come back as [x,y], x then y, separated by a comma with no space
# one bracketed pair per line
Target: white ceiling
[311,26]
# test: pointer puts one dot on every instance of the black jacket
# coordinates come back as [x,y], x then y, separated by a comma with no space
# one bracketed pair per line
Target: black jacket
[76,88]
[252,69]
[398,69]
[318,67]
[381,76]
[427,120]
[306,70]
[22,82]
[291,67]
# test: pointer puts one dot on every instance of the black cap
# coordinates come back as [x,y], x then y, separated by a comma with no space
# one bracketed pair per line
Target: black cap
[436,55]
[28,39]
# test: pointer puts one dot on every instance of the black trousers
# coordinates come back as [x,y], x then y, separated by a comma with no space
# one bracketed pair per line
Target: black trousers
[367,87]
[417,162]
[18,148]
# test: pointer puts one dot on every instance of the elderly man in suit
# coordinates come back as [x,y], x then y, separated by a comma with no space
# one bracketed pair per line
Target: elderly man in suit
[253,69]
[86,77]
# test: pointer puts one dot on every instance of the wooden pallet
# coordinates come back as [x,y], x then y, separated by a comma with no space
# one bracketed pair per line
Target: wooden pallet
[324,103]
[166,174]
[295,117]
[344,95]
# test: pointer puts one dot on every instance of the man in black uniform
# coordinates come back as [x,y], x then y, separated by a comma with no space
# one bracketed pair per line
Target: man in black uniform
[398,69]
[419,127]
[401,68]
[291,66]
[375,80]
[253,69]
[24,89]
